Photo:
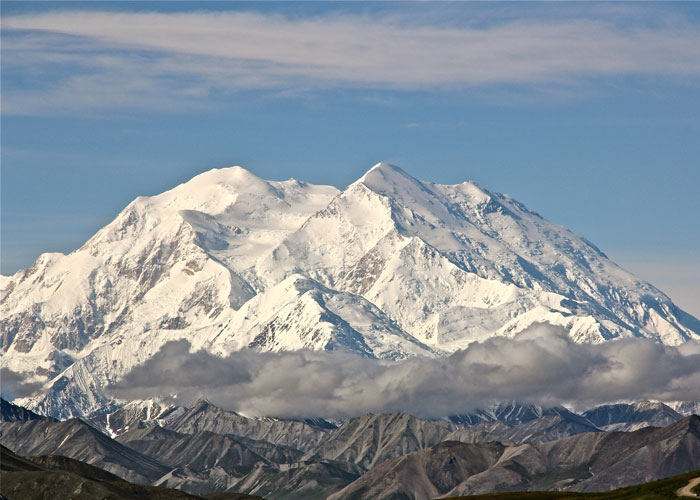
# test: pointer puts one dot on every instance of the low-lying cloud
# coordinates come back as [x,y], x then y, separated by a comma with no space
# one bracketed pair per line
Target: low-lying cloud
[15,385]
[541,365]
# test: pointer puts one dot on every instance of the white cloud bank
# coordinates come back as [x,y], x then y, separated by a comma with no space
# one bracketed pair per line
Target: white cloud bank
[106,59]
[541,365]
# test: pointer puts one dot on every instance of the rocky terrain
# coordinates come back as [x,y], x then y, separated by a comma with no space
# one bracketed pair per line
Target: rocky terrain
[55,477]
[585,462]
[205,449]
[628,417]
[75,439]
[12,413]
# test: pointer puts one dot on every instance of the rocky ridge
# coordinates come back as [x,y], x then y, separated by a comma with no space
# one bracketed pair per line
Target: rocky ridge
[375,456]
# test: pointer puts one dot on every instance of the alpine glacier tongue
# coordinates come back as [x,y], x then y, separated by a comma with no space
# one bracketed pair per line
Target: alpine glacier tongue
[391,267]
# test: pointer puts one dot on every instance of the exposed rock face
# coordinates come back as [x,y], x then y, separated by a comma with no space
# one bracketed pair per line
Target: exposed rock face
[372,439]
[686,408]
[628,417]
[555,424]
[206,450]
[76,439]
[424,474]
[204,416]
[308,481]
[391,267]
[585,462]
[54,476]
[388,456]
[13,413]
[133,415]
[510,413]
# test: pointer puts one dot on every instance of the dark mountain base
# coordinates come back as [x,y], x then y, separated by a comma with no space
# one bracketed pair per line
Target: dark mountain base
[657,490]
[54,478]
[373,457]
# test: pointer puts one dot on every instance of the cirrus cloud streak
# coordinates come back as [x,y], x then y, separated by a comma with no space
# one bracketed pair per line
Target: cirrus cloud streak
[94,59]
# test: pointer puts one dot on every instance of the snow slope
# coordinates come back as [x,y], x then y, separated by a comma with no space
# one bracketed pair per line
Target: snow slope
[391,267]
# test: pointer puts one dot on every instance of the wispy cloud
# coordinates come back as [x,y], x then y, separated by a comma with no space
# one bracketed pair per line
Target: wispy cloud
[98,59]
[540,365]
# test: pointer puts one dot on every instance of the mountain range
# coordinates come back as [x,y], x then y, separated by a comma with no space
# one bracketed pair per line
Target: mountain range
[52,477]
[389,268]
[382,456]
[585,462]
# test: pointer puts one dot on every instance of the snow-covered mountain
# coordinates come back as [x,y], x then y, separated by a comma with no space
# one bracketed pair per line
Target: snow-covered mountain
[630,417]
[391,267]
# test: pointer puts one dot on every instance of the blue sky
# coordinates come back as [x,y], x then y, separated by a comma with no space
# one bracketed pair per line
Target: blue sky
[587,113]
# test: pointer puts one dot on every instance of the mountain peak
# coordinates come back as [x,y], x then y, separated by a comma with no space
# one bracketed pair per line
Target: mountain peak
[395,265]
[236,176]
[383,174]
[201,405]
[235,171]
[384,166]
